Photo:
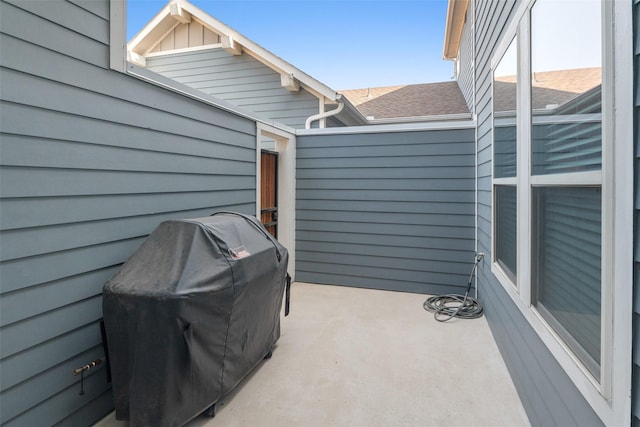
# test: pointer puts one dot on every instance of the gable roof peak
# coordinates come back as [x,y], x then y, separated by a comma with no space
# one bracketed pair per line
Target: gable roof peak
[232,41]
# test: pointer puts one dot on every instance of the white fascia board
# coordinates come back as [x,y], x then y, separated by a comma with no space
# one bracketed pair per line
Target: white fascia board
[178,13]
[455,21]
[447,30]
[388,128]
[150,34]
[260,53]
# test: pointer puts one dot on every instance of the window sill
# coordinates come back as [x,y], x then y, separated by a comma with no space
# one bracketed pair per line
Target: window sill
[590,388]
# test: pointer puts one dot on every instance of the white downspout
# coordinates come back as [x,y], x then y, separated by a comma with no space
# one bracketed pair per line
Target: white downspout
[311,119]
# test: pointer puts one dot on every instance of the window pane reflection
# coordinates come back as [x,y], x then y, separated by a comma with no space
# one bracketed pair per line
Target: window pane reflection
[567,269]
[504,110]
[506,229]
[566,82]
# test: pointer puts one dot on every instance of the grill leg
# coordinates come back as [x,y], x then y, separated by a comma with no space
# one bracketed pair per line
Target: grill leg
[211,411]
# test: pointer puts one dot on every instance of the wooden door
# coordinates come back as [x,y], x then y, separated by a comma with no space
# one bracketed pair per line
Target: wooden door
[269,191]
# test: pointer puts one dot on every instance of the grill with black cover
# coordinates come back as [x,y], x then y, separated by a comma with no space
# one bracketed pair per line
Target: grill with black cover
[190,314]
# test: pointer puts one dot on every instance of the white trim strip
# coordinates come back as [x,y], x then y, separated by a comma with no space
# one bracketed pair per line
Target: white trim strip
[184,50]
[435,118]
[118,35]
[286,149]
[513,181]
[582,179]
[567,118]
[622,175]
[507,118]
[400,127]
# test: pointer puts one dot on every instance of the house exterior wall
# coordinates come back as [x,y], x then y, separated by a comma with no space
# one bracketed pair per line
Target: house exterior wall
[635,401]
[548,395]
[91,161]
[386,210]
[241,80]
[465,57]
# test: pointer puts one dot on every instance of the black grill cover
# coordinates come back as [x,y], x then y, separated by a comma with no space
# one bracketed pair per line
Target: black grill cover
[190,314]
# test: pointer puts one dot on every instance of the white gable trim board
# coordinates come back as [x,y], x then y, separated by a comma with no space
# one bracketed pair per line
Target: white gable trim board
[174,51]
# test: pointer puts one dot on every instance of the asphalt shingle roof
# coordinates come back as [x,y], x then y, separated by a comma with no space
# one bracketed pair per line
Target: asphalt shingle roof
[418,100]
[547,88]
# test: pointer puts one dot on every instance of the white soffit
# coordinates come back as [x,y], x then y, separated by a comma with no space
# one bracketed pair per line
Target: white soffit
[456,11]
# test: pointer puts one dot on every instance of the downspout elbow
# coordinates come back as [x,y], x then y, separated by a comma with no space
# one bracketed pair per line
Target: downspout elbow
[311,119]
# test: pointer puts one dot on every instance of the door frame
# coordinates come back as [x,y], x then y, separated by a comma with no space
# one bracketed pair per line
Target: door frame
[272,193]
[286,191]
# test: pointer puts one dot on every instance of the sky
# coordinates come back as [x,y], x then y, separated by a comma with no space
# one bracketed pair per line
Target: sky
[345,44]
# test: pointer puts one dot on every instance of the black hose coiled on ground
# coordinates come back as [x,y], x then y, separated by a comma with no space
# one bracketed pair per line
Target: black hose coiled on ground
[446,307]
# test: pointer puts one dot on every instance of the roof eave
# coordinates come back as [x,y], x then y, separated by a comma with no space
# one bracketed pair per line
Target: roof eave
[355,113]
[456,10]
[163,23]
[156,29]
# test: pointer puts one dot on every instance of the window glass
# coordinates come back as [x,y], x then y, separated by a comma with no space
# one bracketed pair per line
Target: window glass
[566,82]
[566,137]
[505,239]
[566,274]
[505,78]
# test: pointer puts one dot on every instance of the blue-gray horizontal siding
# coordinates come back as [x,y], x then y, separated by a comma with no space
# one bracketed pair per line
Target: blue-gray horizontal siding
[635,402]
[548,395]
[465,56]
[241,80]
[91,160]
[386,210]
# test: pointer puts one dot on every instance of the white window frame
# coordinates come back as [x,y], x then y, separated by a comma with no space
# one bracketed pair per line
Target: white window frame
[496,268]
[610,397]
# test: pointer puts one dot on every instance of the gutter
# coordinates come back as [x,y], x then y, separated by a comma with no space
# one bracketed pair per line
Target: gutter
[422,119]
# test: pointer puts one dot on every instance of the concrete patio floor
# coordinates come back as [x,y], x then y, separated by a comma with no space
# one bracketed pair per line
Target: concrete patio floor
[357,357]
